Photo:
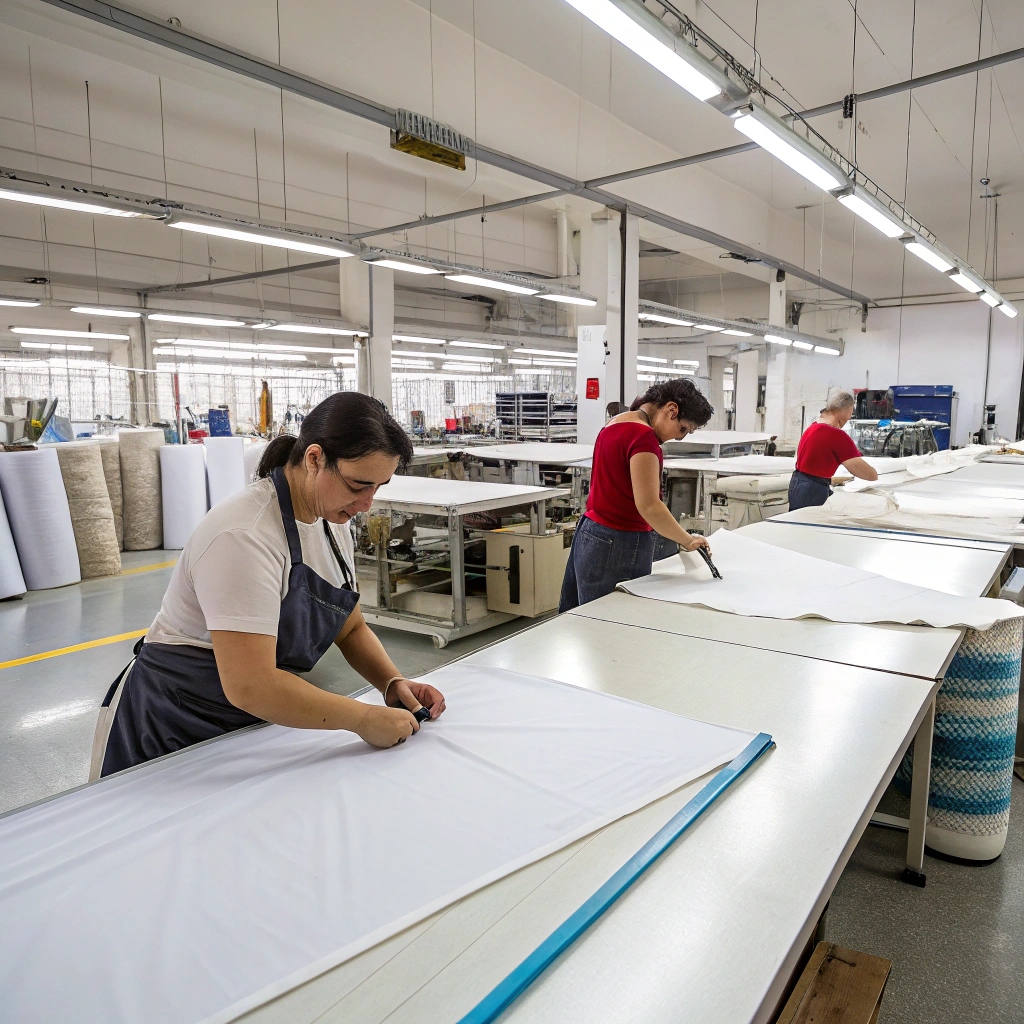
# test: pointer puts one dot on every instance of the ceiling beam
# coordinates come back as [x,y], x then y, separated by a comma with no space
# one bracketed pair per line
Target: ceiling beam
[163,34]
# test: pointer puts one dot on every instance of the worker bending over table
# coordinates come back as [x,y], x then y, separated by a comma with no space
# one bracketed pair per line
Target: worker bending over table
[614,540]
[823,448]
[263,588]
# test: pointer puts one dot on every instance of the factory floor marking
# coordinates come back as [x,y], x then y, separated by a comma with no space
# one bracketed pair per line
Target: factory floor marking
[149,568]
[133,635]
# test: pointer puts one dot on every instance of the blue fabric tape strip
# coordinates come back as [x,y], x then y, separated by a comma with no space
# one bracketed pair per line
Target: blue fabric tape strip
[520,979]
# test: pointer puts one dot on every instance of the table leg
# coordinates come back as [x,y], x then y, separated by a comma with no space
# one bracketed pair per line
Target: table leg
[458,562]
[920,785]
[538,517]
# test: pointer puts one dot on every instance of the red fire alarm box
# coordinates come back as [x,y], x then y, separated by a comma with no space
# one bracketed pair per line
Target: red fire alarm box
[593,387]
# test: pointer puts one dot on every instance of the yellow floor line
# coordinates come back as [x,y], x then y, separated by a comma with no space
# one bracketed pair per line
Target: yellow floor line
[149,568]
[133,635]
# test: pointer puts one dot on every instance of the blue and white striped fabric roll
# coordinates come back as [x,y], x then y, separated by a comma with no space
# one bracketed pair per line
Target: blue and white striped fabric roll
[972,756]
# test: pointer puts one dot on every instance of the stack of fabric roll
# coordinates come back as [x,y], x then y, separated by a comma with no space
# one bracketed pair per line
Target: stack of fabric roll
[140,486]
[92,514]
[39,516]
[183,480]
[231,465]
[12,579]
[110,453]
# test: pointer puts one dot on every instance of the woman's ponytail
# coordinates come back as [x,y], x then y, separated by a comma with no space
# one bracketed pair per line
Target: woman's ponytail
[275,454]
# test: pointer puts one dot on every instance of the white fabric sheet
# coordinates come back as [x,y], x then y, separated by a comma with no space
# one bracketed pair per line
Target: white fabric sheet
[198,887]
[775,583]
[225,467]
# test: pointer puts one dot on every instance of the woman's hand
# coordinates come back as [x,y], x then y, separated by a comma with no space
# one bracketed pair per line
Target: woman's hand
[405,693]
[384,727]
[692,543]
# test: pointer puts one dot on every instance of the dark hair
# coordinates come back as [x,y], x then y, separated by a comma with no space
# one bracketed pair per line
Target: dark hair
[693,406]
[346,425]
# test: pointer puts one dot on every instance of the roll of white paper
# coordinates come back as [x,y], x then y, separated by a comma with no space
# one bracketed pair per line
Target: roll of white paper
[140,485]
[12,581]
[225,467]
[183,487]
[253,454]
[40,519]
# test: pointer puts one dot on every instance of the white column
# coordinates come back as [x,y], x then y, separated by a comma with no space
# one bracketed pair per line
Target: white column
[777,398]
[368,299]
[716,392]
[745,396]
[601,276]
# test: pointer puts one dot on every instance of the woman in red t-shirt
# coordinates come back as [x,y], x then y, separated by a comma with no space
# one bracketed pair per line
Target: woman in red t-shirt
[823,448]
[614,541]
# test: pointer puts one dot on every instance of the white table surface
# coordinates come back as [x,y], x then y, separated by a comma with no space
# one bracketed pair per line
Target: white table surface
[714,930]
[938,493]
[427,494]
[950,565]
[538,451]
[747,465]
[704,437]
[909,650]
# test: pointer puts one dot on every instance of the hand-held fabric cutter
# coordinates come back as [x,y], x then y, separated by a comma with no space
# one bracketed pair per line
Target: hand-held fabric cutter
[703,552]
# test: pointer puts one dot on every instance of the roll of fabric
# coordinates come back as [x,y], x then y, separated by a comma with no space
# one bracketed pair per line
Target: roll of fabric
[253,454]
[12,580]
[183,475]
[92,517]
[40,520]
[225,467]
[110,452]
[140,488]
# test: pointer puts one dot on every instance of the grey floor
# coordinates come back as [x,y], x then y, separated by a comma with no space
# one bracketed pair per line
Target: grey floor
[957,945]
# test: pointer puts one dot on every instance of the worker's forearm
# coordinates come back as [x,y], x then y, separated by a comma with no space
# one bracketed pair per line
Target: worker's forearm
[365,653]
[659,518]
[285,699]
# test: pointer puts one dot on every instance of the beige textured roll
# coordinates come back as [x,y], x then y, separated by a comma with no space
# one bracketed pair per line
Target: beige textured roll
[81,466]
[140,488]
[110,452]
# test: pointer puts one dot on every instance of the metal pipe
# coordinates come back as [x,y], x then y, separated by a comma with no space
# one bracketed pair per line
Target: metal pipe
[239,278]
[561,243]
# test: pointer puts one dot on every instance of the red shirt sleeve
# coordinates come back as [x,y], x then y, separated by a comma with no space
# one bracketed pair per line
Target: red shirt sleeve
[645,441]
[844,447]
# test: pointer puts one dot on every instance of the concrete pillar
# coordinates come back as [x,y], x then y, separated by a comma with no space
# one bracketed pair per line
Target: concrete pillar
[716,392]
[367,296]
[142,386]
[601,247]
[777,398]
[745,396]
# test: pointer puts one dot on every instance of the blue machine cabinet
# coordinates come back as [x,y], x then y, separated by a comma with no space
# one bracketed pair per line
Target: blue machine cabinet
[928,402]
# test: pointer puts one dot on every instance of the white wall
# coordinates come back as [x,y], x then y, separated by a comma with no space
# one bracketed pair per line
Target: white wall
[932,344]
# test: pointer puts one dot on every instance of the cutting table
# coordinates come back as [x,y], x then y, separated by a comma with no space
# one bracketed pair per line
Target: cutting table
[716,443]
[747,886]
[538,463]
[446,502]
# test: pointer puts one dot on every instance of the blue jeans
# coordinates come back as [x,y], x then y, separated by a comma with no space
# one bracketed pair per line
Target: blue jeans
[600,558]
[806,490]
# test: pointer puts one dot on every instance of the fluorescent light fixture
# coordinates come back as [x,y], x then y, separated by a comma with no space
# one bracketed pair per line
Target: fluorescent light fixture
[18,302]
[737,334]
[687,373]
[420,363]
[344,359]
[806,346]
[56,347]
[667,59]
[925,252]
[121,314]
[297,348]
[776,339]
[52,332]
[104,207]
[300,241]
[545,352]
[868,207]
[203,343]
[473,359]
[410,267]
[651,359]
[554,362]
[197,321]
[965,282]
[659,318]
[203,353]
[825,351]
[708,327]
[418,341]
[1010,311]
[988,299]
[476,344]
[486,282]
[570,300]
[465,367]
[781,141]
[685,362]
[314,329]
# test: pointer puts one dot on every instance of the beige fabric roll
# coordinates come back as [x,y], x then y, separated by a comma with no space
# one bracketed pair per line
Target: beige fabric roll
[140,488]
[110,452]
[92,518]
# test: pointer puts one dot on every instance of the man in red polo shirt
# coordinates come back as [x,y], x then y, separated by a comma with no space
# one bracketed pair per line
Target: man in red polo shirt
[823,448]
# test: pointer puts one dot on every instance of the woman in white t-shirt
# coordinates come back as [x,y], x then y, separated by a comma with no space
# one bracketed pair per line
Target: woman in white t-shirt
[261,591]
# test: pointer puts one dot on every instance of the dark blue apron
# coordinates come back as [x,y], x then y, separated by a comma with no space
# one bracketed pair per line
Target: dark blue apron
[172,697]
[806,491]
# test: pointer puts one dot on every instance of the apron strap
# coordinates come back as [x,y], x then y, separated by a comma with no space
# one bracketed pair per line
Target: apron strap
[345,574]
[284,499]
[105,719]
